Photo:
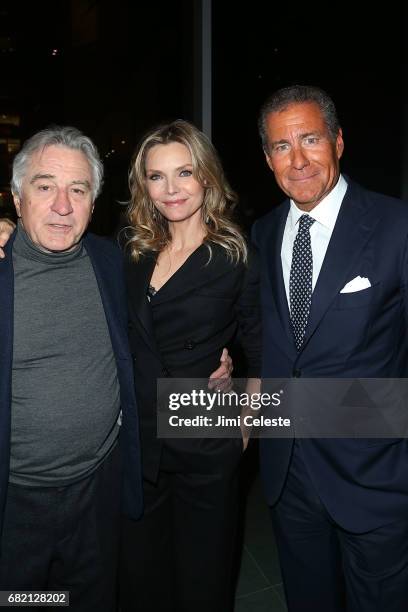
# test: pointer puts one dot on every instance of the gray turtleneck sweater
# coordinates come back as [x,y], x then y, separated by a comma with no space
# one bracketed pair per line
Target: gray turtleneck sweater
[65,391]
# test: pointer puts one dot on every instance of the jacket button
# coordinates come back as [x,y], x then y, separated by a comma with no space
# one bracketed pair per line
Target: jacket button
[165,372]
[189,344]
[297,373]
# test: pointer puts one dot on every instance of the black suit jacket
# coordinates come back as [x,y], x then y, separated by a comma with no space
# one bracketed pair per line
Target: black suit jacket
[107,263]
[363,483]
[197,312]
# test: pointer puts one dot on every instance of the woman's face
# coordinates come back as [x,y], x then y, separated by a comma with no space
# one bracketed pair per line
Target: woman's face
[172,187]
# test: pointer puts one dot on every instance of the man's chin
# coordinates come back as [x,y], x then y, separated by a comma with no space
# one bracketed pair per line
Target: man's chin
[306,201]
[57,246]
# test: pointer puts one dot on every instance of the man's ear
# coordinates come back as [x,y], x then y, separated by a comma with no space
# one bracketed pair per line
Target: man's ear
[17,204]
[339,144]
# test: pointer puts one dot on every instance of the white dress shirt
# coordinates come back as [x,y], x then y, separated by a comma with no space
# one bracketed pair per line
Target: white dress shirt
[325,215]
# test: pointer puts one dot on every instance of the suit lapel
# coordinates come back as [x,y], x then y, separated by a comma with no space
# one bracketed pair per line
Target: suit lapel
[105,273]
[276,275]
[6,318]
[138,280]
[354,226]
[194,273]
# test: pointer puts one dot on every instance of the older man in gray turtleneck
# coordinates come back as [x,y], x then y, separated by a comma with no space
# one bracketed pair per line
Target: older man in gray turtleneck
[65,375]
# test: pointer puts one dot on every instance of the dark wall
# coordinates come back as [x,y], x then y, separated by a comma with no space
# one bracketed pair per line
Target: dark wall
[262,46]
[112,69]
[122,66]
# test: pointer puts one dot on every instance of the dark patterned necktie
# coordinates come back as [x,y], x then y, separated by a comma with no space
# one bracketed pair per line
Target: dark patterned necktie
[300,280]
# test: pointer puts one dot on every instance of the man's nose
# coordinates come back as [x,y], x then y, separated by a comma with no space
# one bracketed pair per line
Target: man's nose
[299,158]
[62,204]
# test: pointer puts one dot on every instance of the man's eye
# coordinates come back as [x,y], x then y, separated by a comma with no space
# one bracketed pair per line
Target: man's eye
[281,147]
[44,187]
[78,191]
[311,140]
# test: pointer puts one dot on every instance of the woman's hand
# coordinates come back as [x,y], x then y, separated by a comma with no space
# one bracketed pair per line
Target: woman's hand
[7,227]
[221,380]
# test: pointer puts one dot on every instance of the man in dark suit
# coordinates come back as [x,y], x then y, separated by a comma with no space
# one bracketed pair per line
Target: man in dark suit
[334,260]
[66,382]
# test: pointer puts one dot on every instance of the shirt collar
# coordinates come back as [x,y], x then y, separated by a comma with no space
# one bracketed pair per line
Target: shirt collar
[326,211]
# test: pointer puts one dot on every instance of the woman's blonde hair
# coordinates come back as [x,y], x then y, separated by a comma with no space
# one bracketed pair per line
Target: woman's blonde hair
[148,229]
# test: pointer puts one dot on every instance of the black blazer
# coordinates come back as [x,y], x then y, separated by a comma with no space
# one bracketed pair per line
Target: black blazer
[107,263]
[362,482]
[198,311]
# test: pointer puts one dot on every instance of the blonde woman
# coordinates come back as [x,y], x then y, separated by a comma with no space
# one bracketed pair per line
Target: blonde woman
[192,288]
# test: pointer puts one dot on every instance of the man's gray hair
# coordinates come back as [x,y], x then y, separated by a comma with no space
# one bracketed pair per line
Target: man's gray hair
[281,99]
[68,137]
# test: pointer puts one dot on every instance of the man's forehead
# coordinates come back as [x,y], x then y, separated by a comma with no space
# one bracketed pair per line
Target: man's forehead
[56,160]
[300,116]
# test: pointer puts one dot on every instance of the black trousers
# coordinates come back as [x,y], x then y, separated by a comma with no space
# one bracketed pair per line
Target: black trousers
[179,556]
[65,538]
[328,569]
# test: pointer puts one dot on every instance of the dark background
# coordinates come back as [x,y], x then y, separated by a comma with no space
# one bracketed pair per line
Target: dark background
[114,69]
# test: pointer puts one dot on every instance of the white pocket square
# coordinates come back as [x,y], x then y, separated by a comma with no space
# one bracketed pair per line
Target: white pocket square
[357,284]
